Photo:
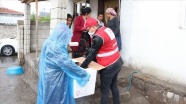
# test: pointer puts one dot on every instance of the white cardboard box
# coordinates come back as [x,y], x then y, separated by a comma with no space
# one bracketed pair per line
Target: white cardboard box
[89,88]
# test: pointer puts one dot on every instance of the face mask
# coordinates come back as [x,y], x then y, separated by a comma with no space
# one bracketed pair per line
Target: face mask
[91,34]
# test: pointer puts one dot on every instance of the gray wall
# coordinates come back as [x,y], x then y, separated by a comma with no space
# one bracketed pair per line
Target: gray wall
[43,34]
[7,31]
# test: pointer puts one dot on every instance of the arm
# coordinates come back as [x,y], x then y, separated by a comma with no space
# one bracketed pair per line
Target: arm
[77,24]
[96,45]
[57,58]
[117,25]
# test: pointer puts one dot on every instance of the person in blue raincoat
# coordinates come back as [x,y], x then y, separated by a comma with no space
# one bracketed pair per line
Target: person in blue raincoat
[57,70]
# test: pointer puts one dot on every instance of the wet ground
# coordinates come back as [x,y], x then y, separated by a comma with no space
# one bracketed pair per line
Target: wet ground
[12,88]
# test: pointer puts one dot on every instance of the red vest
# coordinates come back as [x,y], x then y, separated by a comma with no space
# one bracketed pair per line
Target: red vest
[108,53]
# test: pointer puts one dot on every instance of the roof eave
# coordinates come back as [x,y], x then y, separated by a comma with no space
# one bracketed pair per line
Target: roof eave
[11,13]
[29,1]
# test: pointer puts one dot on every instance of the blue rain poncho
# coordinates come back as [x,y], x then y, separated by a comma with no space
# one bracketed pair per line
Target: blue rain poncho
[57,70]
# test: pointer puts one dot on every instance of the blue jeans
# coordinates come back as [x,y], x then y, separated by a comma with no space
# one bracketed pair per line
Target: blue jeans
[108,78]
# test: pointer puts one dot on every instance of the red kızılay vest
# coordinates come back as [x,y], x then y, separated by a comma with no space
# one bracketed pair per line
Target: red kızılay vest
[108,53]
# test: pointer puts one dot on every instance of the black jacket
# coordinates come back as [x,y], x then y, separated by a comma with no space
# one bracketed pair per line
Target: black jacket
[97,42]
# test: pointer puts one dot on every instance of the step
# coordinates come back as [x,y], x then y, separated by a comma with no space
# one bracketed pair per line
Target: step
[131,97]
[31,77]
[159,91]
[95,98]
[136,98]
[123,77]
[31,73]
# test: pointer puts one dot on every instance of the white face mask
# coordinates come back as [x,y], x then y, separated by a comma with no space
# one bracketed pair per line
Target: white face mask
[91,34]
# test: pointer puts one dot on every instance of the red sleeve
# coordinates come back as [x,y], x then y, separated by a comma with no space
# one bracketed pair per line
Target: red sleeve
[78,24]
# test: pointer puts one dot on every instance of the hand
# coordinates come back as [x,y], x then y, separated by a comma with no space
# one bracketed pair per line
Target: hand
[69,49]
[83,66]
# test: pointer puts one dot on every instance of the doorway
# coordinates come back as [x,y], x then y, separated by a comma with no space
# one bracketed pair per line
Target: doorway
[104,4]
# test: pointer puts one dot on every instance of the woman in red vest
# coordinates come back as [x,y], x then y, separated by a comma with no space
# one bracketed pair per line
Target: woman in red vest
[79,35]
[105,49]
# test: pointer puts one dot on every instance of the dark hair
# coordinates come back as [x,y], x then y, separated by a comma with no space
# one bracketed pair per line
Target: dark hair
[100,13]
[69,16]
[85,10]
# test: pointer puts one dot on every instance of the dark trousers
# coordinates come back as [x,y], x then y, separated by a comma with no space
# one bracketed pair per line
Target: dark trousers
[108,78]
[119,42]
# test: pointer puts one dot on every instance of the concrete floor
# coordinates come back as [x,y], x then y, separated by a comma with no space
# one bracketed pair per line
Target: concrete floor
[12,89]
[135,98]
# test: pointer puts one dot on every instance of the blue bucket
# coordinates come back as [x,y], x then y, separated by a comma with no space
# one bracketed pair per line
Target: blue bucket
[15,70]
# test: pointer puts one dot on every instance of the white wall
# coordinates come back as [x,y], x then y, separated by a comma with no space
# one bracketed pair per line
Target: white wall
[94,7]
[70,7]
[152,39]
[10,19]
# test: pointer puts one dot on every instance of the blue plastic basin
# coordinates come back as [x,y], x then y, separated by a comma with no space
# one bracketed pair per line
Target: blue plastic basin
[15,70]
